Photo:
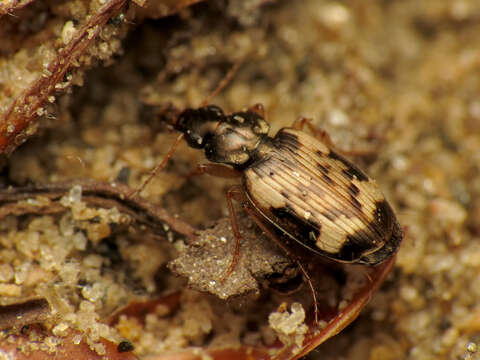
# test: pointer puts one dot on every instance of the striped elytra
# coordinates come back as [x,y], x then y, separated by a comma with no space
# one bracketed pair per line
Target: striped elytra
[319,199]
[298,186]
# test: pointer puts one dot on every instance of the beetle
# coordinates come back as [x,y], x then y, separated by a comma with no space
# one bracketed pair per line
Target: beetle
[294,185]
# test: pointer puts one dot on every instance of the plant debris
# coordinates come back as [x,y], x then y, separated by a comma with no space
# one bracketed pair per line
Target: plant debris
[46,199]
[61,60]
[20,314]
[206,259]
[397,78]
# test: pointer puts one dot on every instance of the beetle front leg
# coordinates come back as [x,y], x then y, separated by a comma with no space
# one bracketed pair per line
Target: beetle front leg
[217,170]
[258,109]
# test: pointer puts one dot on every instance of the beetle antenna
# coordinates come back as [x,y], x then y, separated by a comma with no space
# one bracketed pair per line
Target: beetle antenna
[225,81]
[159,167]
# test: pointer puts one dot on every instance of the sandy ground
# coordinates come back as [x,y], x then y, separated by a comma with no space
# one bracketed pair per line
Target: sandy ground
[396,80]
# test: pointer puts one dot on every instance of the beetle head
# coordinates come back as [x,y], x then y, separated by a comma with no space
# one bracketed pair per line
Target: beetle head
[199,124]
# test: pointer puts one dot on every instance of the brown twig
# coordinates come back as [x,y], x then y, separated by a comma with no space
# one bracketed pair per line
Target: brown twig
[23,111]
[26,313]
[13,201]
[10,6]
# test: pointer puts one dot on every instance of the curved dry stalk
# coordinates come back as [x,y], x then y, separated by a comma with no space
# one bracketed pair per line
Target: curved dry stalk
[14,201]
[9,7]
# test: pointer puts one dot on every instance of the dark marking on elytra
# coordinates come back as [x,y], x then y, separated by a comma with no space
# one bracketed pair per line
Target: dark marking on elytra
[290,138]
[355,202]
[333,155]
[355,245]
[383,215]
[328,215]
[284,212]
[389,248]
[328,179]
[301,229]
[353,189]
[351,171]
[284,194]
[313,235]
[391,234]
[325,169]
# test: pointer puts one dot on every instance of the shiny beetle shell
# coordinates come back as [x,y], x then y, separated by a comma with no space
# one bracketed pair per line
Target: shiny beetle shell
[301,188]
[319,199]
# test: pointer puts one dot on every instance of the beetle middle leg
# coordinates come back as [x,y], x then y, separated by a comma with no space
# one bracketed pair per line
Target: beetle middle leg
[294,258]
[237,193]
[217,170]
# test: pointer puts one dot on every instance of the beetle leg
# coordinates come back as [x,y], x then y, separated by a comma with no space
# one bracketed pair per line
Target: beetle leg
[258,109]
[320,134]
[225,81]
[235,192]
[217,170]
[324,137]
[273,236]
